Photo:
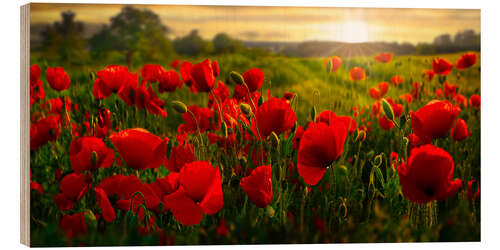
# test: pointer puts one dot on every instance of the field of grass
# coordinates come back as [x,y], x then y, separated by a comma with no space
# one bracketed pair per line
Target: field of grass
[359,199]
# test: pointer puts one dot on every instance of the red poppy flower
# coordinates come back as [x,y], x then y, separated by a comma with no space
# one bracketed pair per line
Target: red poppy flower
[385,123]
[215,68]
[112,79]
[124,188]
[166,185]
[90,153]
[460,100]
[254,79]
[36,85]
[396,80]
[450,91]
[57,105]
[460,131]
[287,96]
[335,63]
[430,74]
[374,93]
[139,148]
[396,108]
[383,57]
[169,81]
[258,186]
[375,109]
[470,195]
[203,76]
[357,74]
[199,192]
[204,118]
[274,115]
[441,66]
[175,63]
[108,212]
[415,141]
[320,145]
[221,92]
[439,93]
[103,123]
[434,120]
[330,118]
[35,72]
[415,90]
[179,156]
[58,79]
[186,71]
[383,87]
[407,97]
[43,131]
[475,101]
[73,225]
[73,187]
[141,97]
[466,60]
[221,229]
[152,72]
[36,186]
[428,175]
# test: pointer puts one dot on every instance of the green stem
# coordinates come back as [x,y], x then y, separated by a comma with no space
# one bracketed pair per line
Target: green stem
[197,127]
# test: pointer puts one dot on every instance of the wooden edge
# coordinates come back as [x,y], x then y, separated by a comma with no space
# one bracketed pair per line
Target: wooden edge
[25,124]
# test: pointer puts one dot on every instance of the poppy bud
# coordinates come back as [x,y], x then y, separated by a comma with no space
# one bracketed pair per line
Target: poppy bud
[313,113]
[243,161]
[261,100]
[329,66]
[270,211]
[94,158]
[236,77]
[406,141]
[179,107]
[274,139]
[342,170]
[378,160]
[386,106]
[370,154]
[90,220]
[246,109]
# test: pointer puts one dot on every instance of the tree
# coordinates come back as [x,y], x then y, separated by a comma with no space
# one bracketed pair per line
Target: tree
[134,32]
[192,44]
[223,43]
[64,40]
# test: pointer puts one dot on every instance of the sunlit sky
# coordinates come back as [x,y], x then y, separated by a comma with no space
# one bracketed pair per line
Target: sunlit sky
[286,23]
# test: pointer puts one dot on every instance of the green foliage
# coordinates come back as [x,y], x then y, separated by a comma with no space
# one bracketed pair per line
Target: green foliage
[225,44]
[138,34]
[359,199]
[192,45]
[64,42]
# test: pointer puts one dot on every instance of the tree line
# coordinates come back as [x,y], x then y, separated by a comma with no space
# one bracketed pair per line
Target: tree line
[137,36]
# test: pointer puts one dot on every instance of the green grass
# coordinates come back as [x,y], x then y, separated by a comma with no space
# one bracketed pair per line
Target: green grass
[352,207]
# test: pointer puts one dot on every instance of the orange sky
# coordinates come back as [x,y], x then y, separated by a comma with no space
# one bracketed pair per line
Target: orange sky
[287,23]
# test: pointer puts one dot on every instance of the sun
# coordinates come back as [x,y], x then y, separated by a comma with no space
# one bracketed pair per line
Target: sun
[353,31]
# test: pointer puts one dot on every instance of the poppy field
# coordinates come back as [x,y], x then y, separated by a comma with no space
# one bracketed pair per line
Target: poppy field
[237,149]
